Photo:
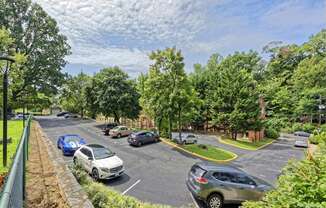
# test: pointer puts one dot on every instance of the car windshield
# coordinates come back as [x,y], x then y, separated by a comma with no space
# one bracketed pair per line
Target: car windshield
[116,128]
[72,139]
[101,153]
[191,136]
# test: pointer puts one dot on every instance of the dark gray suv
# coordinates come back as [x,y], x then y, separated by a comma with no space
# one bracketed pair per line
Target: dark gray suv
[223,184]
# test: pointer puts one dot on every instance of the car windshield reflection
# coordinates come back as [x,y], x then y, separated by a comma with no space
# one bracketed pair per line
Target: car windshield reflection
[102,153]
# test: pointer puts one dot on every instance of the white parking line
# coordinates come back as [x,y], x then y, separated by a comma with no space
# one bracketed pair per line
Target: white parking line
[195,202]
[123,193]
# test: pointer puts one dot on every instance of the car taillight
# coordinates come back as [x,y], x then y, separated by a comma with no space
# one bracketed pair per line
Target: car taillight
[202,180]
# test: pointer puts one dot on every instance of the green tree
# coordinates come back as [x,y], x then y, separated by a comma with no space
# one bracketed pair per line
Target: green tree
[234,95]
[167,92]
[116,94]
[73,95]
[36,35]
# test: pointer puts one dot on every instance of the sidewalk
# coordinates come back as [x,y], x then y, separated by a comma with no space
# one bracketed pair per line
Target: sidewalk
[42,188]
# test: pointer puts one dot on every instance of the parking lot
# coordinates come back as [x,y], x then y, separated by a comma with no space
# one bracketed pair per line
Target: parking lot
[156,173]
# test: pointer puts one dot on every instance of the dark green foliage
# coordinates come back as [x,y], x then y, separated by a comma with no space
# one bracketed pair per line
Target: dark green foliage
[116,94]
[272,133]
[37,36]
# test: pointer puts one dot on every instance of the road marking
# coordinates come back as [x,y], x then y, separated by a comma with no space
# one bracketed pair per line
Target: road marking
[123,193]
[193,199]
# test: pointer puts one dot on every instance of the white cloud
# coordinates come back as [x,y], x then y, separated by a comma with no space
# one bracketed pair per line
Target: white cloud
[130,59]
[92,27]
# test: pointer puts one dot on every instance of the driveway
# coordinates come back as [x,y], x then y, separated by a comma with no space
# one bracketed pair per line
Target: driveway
[156,173]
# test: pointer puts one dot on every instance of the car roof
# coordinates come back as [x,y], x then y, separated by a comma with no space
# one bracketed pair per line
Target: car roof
[209,166]
[141,132]
[94,146]
[121,126]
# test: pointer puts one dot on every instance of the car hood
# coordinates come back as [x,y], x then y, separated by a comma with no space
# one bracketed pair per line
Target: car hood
[109,162]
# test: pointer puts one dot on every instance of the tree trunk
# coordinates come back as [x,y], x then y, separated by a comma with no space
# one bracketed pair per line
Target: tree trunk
[116,118]
[170,127]
[82,113]
[179,122]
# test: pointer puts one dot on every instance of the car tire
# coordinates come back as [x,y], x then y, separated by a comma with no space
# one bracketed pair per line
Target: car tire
[75,161]
[183,142]
[195,142]
[215,201]
[95,174]
[139,144]
[156,140]
[119,136]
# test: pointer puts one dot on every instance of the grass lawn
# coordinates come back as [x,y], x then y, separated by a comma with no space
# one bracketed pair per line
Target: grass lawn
[15,130]
[211,152]
[246,144]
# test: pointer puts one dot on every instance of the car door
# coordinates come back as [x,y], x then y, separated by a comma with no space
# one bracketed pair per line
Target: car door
[225,181]
[82,157]
[150,137]
[246,187]
[90,159]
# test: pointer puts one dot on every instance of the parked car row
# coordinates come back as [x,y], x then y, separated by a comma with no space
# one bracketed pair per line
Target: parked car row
[215,184]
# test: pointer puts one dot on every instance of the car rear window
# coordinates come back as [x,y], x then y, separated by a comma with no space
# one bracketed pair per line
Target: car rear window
[71,139]
[198,171]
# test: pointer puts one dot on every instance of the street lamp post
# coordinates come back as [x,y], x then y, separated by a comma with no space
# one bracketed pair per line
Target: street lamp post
[5,108]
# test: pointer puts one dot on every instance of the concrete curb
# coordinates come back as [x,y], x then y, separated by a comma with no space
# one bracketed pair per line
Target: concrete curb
[200,156]
[233,145]
[69,187]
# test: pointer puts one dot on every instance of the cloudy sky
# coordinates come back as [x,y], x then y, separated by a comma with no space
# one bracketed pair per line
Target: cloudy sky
[123,32]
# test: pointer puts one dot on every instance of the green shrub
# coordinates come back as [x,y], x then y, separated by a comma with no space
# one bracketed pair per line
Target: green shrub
[302,185]
[308,127]
[275,123]
[203,146]
[272,133]
[318,138]
[323,128]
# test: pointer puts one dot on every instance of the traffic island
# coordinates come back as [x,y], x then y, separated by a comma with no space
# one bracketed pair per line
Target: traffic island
[242,144]
[204,151]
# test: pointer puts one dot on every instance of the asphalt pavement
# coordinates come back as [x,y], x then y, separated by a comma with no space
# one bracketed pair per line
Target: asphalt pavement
[156,173]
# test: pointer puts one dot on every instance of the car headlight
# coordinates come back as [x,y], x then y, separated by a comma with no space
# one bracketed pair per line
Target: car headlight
[105,170]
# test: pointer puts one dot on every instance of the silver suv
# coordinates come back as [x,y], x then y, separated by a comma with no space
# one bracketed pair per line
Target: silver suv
[223,184]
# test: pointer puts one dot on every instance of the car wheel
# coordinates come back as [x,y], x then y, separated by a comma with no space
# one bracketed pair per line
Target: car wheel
[195,142]
[184,143]
[139,144]
[75,161]
[95,174]
[156,140]
[215,201]
[119,135]
[58,146]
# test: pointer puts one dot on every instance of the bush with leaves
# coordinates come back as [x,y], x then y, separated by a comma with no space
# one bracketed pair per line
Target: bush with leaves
[302,185]
[318,138]
[272,133]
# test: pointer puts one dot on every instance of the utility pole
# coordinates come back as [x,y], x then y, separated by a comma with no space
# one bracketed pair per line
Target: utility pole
[5,107]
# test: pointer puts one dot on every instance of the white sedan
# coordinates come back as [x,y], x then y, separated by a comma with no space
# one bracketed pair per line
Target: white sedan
[99,161]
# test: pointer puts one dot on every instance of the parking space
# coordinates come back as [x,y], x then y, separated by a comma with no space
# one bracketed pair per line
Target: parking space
[156,172]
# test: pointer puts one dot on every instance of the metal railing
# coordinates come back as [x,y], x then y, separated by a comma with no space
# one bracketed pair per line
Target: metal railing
[13,193]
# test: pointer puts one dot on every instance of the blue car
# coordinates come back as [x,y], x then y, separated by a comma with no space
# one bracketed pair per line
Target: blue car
[69,143]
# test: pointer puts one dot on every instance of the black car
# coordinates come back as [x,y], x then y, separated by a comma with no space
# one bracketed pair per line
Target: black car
[62,114]
[142,137]
[224,184]
[108,127]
